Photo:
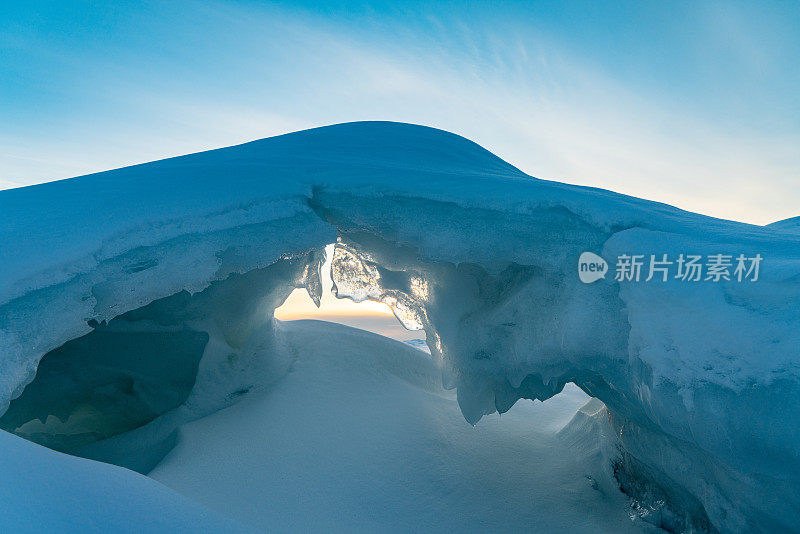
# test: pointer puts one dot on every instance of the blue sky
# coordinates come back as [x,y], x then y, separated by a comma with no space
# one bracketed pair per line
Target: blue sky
[695,104]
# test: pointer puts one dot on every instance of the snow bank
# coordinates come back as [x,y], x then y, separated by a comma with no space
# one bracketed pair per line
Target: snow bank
[700,379]
[46,491]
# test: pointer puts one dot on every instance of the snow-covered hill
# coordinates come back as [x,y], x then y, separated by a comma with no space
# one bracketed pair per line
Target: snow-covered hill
[701,379]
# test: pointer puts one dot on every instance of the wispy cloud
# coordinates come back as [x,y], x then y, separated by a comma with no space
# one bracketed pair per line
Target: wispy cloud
[543,104]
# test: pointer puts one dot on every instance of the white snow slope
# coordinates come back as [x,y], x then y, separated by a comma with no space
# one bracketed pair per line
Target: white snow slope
[361,437]
[700,379]
[47,491]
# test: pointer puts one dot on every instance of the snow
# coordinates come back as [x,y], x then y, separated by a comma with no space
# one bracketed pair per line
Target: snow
[46,491]
[787,225]
[701,381]
[377,445]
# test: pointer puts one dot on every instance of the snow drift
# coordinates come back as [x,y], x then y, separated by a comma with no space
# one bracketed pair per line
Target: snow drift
[700,379]
[46,491]
[377,445]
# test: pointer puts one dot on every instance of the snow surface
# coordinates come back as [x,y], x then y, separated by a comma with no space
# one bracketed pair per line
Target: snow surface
[702,381]
[46,491]
[361,437]
[787,225]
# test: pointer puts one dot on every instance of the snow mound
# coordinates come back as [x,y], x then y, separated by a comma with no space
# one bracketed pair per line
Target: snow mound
[701,380]
[46,491]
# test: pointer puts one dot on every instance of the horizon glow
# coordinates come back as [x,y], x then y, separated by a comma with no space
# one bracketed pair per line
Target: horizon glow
[298,305]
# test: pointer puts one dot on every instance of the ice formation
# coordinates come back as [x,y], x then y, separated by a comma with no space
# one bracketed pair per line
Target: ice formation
[700,380]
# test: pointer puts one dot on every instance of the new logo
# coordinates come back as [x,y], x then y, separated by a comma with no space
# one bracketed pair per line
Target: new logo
[591,267]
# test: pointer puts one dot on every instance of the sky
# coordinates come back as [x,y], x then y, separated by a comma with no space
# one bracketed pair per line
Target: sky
[696,104]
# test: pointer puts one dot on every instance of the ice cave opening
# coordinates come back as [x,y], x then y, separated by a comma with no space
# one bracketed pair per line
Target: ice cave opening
[119,393]
[122,392]
[375,317]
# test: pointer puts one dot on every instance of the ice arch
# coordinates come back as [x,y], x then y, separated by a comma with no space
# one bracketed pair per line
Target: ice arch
[700,381]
